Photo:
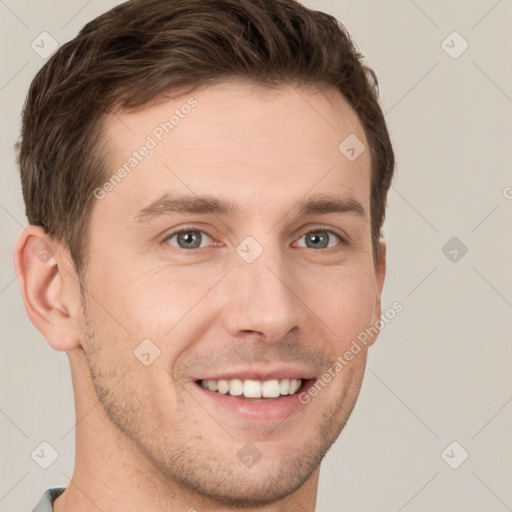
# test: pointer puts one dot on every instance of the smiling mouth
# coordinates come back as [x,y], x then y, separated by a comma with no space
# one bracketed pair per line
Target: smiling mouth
[254,390]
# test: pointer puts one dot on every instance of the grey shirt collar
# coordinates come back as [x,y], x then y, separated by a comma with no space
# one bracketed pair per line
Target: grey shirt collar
[46,502]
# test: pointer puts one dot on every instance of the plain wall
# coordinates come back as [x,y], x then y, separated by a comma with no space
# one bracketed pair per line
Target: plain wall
[440,371]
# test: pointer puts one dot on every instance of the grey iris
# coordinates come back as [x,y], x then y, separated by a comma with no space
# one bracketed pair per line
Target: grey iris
[189,239]
[317,239]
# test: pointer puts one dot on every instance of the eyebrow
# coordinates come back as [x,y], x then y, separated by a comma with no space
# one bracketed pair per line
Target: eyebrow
[323,203]
[171,204]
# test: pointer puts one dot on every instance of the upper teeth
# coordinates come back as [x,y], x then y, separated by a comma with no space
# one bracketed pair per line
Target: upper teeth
[254,388]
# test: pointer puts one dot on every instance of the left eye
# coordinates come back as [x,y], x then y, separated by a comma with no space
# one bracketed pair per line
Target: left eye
[188,239]
[319,239]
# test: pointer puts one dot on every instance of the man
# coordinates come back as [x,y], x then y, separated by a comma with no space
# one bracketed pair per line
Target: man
[205,183]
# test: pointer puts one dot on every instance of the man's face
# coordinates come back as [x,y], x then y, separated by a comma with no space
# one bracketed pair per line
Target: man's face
[265,290]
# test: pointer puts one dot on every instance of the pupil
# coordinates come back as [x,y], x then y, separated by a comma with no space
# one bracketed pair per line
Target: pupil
[189,239]
[318,240]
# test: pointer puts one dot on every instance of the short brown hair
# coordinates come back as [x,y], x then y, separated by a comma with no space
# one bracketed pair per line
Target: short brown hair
[142,50]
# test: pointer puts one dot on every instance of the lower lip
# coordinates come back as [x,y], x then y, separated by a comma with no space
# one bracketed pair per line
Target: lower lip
[270,409]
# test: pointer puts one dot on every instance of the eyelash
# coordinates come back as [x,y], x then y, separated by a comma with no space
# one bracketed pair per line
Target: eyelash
[342,238]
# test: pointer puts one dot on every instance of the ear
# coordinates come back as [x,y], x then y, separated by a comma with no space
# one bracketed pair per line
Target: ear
[380,274]
[49,287]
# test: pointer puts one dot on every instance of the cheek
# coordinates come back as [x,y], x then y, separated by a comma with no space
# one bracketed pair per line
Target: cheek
[345,301]
[131,376]
[150,303]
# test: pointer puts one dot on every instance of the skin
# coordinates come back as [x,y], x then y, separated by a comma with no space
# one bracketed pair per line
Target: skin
[145,440]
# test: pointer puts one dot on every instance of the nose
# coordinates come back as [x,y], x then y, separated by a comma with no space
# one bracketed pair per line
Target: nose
[260,298]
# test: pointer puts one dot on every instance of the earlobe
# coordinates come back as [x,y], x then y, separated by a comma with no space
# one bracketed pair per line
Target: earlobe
[41,272]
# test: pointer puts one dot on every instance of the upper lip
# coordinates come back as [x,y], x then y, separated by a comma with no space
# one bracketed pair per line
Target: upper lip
[262,374]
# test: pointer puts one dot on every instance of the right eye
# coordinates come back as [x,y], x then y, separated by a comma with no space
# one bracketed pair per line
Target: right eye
[187,239]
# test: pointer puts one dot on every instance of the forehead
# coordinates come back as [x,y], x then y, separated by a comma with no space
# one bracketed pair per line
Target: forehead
[263,146]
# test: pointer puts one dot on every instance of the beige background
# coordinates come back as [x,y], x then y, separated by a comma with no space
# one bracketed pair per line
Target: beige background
[441,370]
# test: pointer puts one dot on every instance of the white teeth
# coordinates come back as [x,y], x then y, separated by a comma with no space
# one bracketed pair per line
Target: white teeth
[270,389]
[236,387]
[294,385]
[253,388]
[223,386]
